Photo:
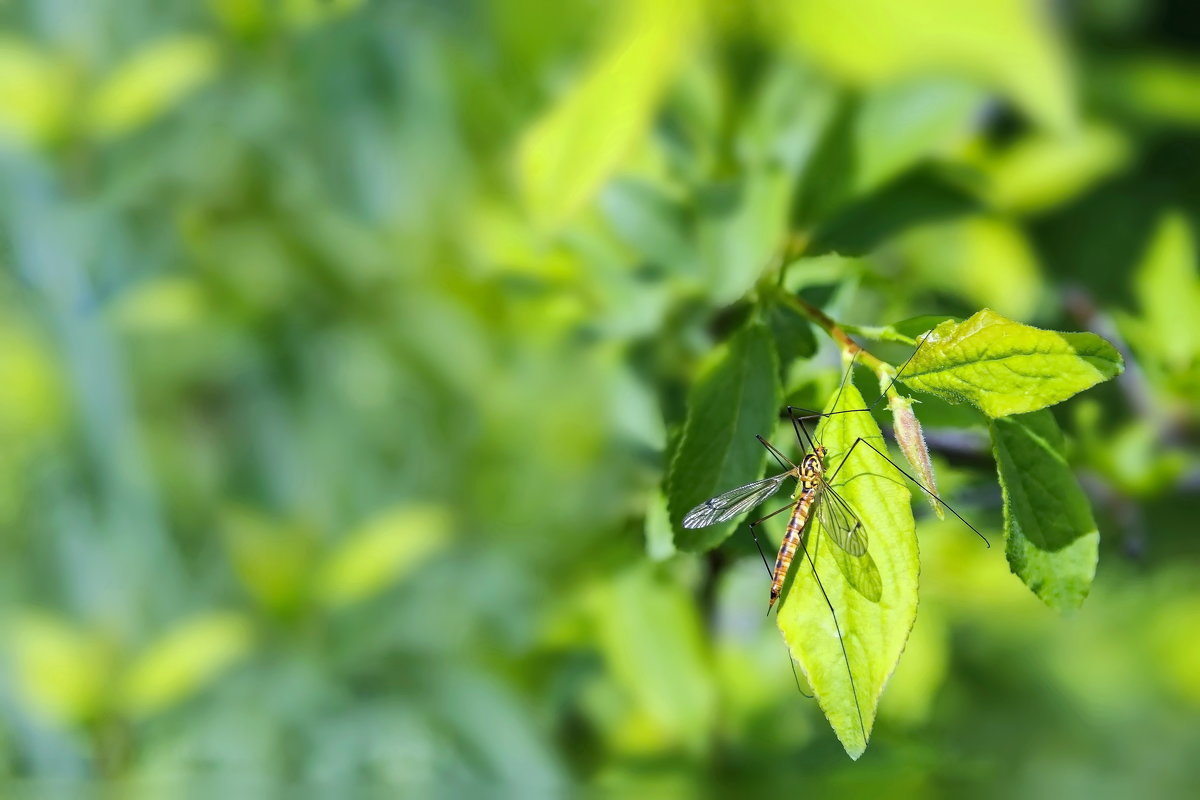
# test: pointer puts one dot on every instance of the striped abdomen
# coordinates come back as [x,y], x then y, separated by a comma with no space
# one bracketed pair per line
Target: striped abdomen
[791,540]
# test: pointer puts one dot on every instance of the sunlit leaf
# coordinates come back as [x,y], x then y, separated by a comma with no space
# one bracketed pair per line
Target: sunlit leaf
[1044,170]
[650,634]
[160,305]
[1158,87]
[872,631]
[1167,287]
[384,550]
[62,670]
[183,661]
[149,83]
[987,260]
[1052,540]
[1003,367]
[1009,46]
[900,125]
[35,93]
[742,224]
[736,397]
[272,557]
[568,152]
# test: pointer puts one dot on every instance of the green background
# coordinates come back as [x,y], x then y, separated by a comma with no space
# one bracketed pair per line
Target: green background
[343,344]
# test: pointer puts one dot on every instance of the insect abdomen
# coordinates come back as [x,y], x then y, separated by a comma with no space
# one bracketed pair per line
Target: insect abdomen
[791,540]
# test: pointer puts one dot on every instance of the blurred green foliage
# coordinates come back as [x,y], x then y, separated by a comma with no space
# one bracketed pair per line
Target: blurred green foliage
[343,343]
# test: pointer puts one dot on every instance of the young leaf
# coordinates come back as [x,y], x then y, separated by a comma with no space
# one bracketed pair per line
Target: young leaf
[1168,292]
[570,151]
[1052,538]
[874,616]
[1003,367]
[911,439]
[737,397]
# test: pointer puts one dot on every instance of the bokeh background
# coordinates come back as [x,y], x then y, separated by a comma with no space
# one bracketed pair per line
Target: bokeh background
[341,343]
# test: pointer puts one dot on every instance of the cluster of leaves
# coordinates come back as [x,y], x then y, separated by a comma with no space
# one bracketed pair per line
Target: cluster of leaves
[345,347]
[1008,371]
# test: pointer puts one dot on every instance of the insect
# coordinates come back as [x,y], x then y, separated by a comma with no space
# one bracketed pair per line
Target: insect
[815,497]
[837,517]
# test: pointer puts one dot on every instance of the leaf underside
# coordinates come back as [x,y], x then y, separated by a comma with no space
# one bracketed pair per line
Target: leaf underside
[876,607]
[736,398]
[1052,540]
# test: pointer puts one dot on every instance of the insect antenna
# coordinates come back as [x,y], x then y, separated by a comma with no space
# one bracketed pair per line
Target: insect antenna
[903,366]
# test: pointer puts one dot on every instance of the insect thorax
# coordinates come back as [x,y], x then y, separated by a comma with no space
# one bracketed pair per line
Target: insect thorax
[810,470]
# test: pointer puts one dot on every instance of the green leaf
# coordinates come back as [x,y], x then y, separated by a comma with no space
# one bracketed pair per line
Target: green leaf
[650,633]
[1052,538]
[742,225]
[873,630]
[183,661]
[1003,367]
[899,125]
[791,330]
[1010,47]
[568,153]
[922,196]
[916,327]
[1041,170]
[988,260]
[1168,292]
[150,83]
[386,548]
[736,397]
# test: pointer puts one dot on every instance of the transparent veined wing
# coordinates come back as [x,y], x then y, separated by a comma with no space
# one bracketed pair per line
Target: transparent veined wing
[735,501]
[840,522]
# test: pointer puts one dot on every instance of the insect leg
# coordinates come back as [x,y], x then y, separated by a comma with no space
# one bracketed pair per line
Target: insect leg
[759,521]
[911,478]
[780,457]
[841,642]
[763,555]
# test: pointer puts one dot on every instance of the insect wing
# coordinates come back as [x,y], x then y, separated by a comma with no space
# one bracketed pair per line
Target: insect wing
[736,501]
[840,522]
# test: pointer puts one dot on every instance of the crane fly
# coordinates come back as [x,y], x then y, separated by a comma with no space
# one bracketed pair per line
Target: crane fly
[837,519]
[814,498]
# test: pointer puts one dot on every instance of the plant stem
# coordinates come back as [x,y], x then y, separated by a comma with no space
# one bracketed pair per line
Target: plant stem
[884,371]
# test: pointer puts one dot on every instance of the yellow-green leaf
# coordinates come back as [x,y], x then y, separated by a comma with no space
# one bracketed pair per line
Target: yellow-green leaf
[1168,292]
[1052,541]
[183,661]
[873,631]
[272,557]
[385,549]
[987,260]
[567,153]
[62,671]
[149,83]
[35,93]
[1003,367]
[650,634]
[1044,170]
[1009,46]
